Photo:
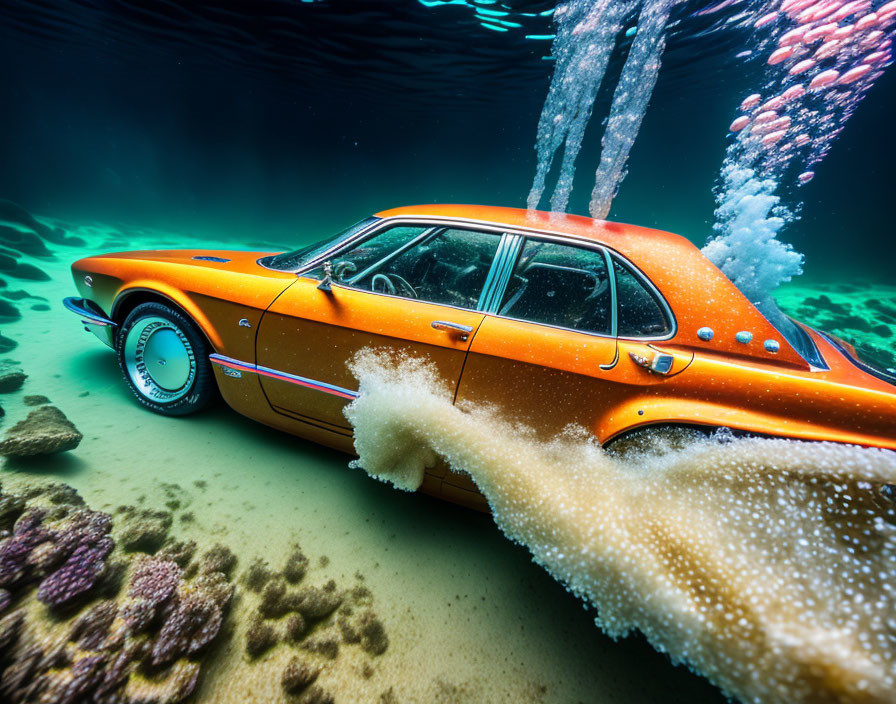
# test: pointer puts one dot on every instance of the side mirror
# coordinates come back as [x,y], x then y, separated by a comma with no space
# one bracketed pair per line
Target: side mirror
[327,281]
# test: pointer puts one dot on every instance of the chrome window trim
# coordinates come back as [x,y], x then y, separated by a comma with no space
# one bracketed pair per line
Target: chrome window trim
[493,272]
[524,232]
[504,263]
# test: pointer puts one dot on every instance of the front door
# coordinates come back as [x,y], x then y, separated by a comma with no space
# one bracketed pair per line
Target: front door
[410,289]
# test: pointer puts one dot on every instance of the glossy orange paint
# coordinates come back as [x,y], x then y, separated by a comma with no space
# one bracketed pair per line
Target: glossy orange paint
[547,377]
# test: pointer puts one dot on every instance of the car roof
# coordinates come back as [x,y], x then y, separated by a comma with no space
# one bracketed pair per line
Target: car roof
[613,234]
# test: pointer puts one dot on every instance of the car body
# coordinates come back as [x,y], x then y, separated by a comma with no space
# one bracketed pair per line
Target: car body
[557,319]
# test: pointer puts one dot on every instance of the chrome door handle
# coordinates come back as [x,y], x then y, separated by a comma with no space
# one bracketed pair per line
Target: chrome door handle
[448,326]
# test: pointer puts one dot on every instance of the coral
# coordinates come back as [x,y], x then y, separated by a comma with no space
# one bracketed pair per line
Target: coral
[154,580]
[299,675]
[273,604]
[296,628]
[316,603]
[78,574]
[325,643]
[218,558]
[10,629]
[11,376]
[143,529]
[296,566]
[257,575]
[45,431]
[91,628]
[316,695]
[260,637]
[364,628]
[178,551]
[5,599]
[11,507]
[193,618]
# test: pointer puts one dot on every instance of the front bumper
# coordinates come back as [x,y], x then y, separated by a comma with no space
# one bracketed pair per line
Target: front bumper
[93,319]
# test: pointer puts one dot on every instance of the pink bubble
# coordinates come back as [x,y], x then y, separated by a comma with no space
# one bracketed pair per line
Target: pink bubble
[827,50]
[854,74]
[773,138]
[739,123]
[801,139]
[820,32]
[793,93]
[819,11]
[779,55]
[878,57]
[782,123]
[806,176]
[801,67]
[793,36]
[888,8]
[794,6]
[872,37]
[766,116]
[766,19]
[843,32]
[751,101]
[824,79]
[866,22]
[848,9]
[775,103]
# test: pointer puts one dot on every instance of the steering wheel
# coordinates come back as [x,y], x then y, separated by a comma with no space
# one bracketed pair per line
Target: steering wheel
[404,285]
[388,281]
[388,286]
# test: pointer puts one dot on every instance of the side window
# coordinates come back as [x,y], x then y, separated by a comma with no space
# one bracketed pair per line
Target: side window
[640,312]
[386,243]
[561,285]
[447,266]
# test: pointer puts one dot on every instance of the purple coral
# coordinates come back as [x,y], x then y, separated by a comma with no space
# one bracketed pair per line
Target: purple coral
[78,574]
[154,580]
[14,551]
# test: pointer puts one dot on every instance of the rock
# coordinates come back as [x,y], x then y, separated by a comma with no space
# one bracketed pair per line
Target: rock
[7,345]
[36,400]
[296,566]
[298,676]
[11,377]
[8,312]
[45,431]
[143,529]
[260,638]
[23,242]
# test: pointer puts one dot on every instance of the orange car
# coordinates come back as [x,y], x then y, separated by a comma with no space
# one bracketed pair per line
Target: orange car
[558,319]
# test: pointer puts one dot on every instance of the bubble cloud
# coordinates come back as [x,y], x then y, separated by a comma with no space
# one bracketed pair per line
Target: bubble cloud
[768,566]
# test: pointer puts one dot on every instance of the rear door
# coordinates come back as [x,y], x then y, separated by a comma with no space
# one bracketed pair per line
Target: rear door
[411,288]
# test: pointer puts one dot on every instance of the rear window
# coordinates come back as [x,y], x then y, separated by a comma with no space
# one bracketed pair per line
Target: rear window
[641,312]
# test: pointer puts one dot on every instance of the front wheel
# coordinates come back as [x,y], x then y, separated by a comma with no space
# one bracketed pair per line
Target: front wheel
[164,359]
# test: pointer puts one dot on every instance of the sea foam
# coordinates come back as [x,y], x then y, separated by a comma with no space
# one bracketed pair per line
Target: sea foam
[768,566]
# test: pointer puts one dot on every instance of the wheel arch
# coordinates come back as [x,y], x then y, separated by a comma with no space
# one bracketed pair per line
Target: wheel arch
[127,300]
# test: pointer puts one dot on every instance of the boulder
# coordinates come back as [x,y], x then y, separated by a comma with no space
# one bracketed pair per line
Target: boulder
[11,377]
[45,431]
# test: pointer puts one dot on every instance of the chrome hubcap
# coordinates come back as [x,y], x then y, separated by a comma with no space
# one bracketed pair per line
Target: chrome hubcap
[159,359]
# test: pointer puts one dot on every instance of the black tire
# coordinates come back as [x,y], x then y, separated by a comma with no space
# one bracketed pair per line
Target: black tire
[164,360]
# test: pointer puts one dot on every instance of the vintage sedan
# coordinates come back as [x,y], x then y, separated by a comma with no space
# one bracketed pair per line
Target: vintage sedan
[557,319]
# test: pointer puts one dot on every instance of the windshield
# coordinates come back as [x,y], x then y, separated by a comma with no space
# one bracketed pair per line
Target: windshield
[290,261]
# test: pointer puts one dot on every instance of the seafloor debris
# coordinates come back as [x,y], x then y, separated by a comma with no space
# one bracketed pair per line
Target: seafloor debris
[45,431]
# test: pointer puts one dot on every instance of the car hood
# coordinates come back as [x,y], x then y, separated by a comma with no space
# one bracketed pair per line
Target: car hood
[199,257]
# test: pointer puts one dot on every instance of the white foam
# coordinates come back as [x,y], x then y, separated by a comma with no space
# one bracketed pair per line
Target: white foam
[767,565]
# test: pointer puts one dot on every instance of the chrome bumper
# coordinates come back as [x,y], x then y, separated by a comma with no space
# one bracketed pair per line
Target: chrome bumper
[93,319]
